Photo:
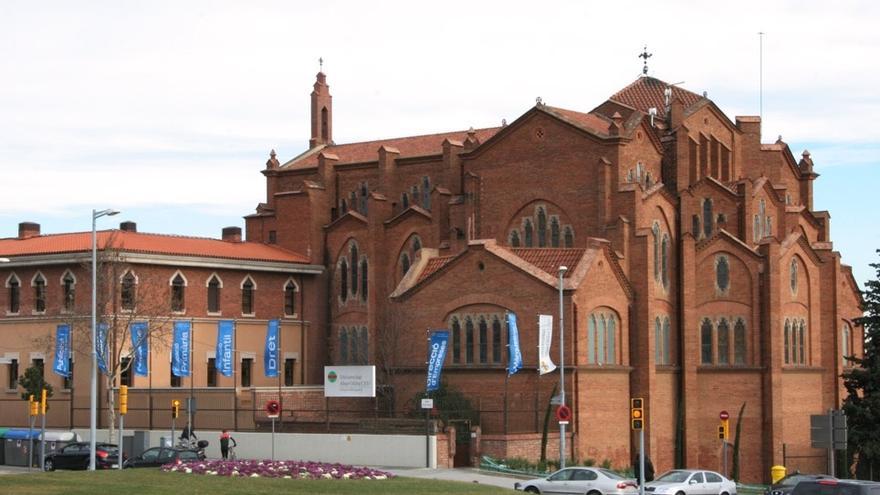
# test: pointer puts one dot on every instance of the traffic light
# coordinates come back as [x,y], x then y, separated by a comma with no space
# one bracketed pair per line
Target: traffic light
[123,399]
[34,406]
[637,413]
[43,402]
[723,429]
[175,408]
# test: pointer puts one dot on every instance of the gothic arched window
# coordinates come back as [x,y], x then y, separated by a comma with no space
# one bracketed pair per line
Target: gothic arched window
[456,340]
[343,279]
[178,294]
[658,335]
[343,345]
[128,291]
[354,348]
[364,284]
[723,342]
[484,341]
[601,331]
[363,198]
[404,263]
[405,200]
[664,260]
[514,238]
[846,344]
[655,230]
[527,228]
[214,286]
[787,337]
[469,340]
[68,283]
[695,226]
[13,286]
[542,227]
[722,273]
[426,192]
[611,341]
[706,341]
[801,343]
[739,342]
[569,237]
[416,245]
[39,284]
[707,217]
[793,276]
[554,231]
[665,339]
[591,339]
[290,291]
[353,252]
[247,296]
[496,340]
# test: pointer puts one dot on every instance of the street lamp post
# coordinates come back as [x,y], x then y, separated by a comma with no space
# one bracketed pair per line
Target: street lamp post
[93,410]
[562,270]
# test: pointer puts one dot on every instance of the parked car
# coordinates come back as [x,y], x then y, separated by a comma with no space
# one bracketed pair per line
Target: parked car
[836,487]
[787,484]
[581,480]
[76,456]
[691,482]
[158,456]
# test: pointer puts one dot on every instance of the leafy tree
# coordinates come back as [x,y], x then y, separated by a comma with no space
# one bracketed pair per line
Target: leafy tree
[33,382]
[547,424]
[735,472]
[862,382]
[450,404]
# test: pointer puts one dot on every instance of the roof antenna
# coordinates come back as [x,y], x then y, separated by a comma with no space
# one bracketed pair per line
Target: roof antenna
[645,55]
[320,64]
[761,74]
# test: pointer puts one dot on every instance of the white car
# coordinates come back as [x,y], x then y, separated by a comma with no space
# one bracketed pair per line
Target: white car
[690,482]
[581,481]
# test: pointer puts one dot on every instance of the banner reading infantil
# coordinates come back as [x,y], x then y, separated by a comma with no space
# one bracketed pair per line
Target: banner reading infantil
[515,356]
[436,357]
[62,351]
[141,347]
[225,338]
[545,338]
[180,351]
[270,355]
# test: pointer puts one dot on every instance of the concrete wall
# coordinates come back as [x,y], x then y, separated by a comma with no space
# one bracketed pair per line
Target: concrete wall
[372,450]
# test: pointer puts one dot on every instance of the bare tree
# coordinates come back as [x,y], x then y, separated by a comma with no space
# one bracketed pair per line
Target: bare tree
[389,339]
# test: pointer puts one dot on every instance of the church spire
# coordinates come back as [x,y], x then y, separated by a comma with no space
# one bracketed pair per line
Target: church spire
[322,110]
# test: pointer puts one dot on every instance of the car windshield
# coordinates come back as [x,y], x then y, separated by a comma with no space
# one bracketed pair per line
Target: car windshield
[110,449]
[674,477]
[611,474]
[793,479]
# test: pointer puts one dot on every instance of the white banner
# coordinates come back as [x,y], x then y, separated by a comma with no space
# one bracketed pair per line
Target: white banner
[545,337]
[349,381]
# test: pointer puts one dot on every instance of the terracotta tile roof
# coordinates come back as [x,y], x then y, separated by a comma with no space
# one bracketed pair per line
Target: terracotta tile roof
[366,151]
[550,259]
[647,92]
[77,242]
[584,120]
[434,265]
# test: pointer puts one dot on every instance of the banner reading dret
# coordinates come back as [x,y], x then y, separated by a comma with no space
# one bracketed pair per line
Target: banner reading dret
[436,356]
[545,338]
[270,355]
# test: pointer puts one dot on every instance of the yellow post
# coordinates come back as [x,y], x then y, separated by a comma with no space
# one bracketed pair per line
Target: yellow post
[123,399]
[777,473]
[43,403]
[33,406]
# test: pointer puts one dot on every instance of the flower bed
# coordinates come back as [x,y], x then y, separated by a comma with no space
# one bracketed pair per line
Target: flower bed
[278,469]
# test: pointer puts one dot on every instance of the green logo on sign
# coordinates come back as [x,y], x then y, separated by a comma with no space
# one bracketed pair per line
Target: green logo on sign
[331,376]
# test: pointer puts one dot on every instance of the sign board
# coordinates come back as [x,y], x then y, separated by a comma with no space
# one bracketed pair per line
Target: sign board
[427,403]
[349,381]
[827,432]
[273,409]
[556,400]
[724,415]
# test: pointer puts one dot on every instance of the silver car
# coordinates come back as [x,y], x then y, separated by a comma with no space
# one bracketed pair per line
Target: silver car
[690,482]
[581,481]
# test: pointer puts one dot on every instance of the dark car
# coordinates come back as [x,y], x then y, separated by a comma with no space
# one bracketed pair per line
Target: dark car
[76,456]
[158,456]
[787,484]
[836,487]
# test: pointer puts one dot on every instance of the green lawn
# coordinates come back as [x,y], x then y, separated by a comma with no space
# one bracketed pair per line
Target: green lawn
[150,481]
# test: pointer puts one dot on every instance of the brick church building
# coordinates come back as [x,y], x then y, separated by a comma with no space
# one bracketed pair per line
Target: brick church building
[698,276]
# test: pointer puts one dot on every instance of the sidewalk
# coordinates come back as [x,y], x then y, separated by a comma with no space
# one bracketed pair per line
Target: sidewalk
[467,475]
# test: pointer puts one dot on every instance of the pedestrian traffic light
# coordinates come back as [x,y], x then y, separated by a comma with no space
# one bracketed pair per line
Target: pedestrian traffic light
[637,413]
[43,402]
[123,399]
[34,406]
[175,408]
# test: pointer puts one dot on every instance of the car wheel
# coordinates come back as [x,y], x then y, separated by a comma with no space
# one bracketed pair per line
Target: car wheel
[594,492]
[532,489]
[680,493]
[723,493]
[49,465]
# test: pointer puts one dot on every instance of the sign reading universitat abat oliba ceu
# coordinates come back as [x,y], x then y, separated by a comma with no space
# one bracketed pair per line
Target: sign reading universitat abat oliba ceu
[349,381]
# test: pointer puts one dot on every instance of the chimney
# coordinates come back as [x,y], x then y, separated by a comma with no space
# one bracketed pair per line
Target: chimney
[232,234]
[28,229]
[128,227]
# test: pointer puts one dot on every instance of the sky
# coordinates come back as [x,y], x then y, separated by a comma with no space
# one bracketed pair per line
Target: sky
[167,111]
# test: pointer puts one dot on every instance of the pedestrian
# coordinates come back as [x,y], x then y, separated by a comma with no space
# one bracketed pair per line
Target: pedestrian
[225,438]
[188,436]
[649,468]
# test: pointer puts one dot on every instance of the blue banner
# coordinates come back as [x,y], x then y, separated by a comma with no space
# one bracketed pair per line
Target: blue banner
[436,357]
[101,346]
[514,355]
[181,349]
[225,339]
[270,355]
[62,351]
[141,346]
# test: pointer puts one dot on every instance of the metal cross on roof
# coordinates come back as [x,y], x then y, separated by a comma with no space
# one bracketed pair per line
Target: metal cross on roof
[645,55]
[321,64]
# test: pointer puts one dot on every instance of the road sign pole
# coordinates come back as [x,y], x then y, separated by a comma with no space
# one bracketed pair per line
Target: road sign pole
[31,440]
[121,430]
[831,442]
[273,439]
[642,461]
[43,443]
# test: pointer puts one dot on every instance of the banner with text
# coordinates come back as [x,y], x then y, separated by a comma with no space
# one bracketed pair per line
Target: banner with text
[62,351]
[180,354]
[515,361]
[270,355]
[141,346]
[225,339]
[349,381]
[436,356]
[545,338]
[101,346]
